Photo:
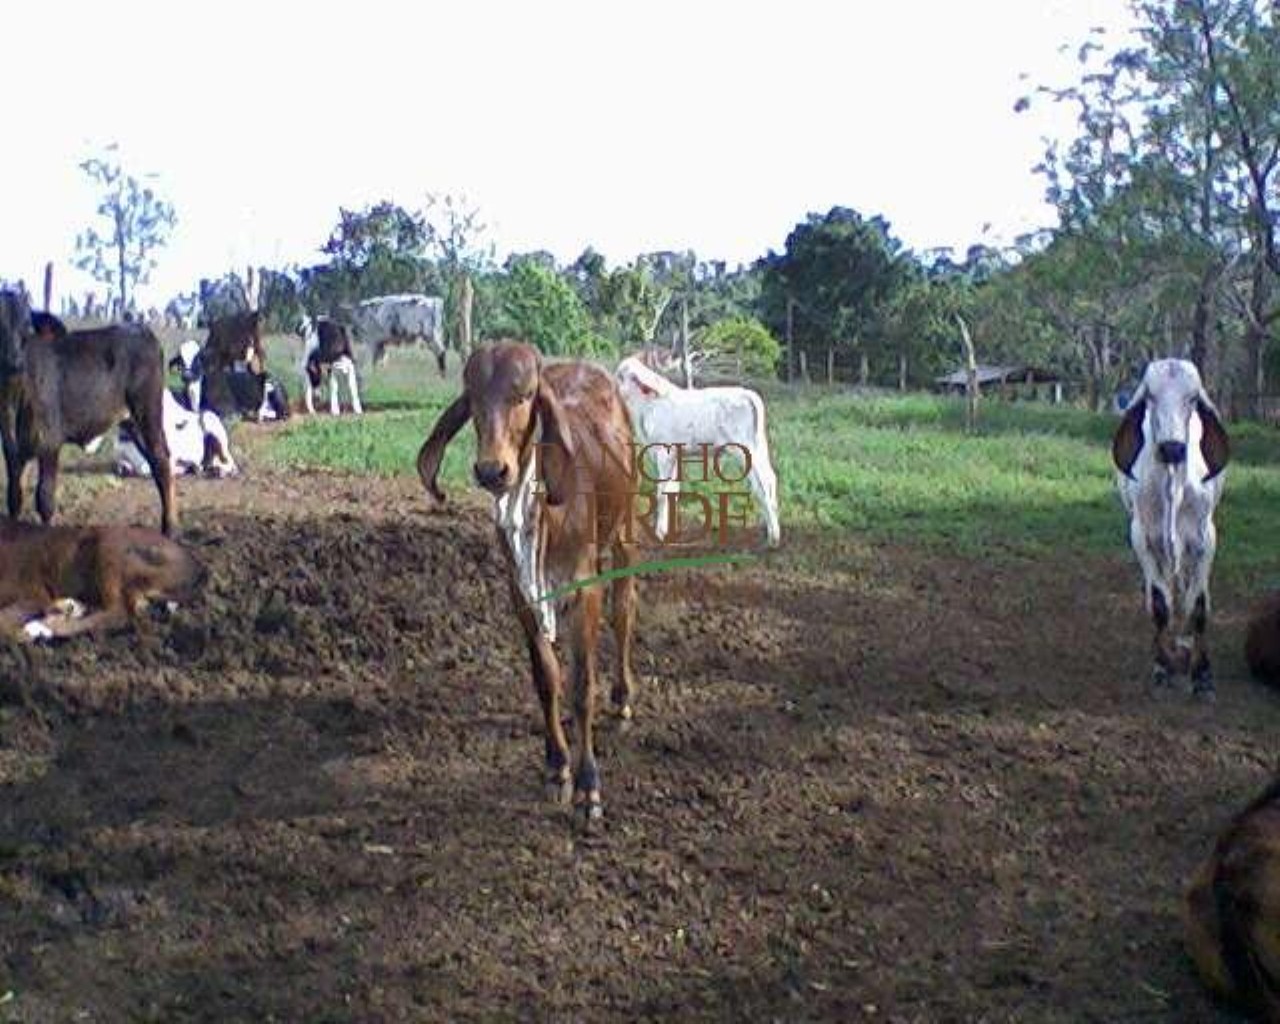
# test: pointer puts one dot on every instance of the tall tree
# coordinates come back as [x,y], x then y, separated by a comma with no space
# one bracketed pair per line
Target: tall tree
[135,222]
[457,234]
[840,271]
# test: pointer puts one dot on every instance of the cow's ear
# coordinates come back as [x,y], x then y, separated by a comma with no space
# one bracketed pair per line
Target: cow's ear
[1128,439]
[1215,445]
[431,453]
[557,446]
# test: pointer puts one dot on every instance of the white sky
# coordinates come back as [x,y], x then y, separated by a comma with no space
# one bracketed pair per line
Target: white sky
[667,124]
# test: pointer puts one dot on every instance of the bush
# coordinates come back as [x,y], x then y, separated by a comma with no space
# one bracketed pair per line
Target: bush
[746,342]
[539,306]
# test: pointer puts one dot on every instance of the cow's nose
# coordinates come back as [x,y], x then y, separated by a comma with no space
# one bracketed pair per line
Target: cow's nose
[491,475]
[1172,453]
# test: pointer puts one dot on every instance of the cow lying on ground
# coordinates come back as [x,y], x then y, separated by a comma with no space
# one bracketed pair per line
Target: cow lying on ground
[397,320]
[227,391]
[327,347]
[198,443]
[74,389]
[1232,911]
[1170,450]
[58,581]
[557,514]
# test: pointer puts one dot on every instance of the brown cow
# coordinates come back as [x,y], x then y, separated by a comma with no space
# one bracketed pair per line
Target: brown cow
[74,388]
[58,581]
[1232,911]
[557,535]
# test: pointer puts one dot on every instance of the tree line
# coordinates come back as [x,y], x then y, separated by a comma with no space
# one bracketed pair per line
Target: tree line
[1166,197]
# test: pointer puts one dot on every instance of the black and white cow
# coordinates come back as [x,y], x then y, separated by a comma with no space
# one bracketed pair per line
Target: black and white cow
[397,320]
[231,391]
[327,346]
[198,443]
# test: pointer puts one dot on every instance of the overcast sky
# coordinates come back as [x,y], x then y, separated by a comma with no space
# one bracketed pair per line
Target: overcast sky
[632,127]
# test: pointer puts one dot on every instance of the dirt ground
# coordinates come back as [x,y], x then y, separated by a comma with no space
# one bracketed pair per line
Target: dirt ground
[865,782]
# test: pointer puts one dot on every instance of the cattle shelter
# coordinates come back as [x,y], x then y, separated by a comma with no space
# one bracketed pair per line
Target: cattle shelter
[1013,382]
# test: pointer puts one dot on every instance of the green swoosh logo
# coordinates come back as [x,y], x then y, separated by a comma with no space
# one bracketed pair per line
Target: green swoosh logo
[645,567]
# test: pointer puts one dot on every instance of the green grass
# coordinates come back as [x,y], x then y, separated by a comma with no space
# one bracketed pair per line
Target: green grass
[1034,480]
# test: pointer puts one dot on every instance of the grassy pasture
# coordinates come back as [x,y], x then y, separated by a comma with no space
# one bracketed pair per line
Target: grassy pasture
[1035,480]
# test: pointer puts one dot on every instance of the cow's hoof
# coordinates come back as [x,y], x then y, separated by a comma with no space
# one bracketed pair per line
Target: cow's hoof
[559,790]
[1202,688]
[590,811]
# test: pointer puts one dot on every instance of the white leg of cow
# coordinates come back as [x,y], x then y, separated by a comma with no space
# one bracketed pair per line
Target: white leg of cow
[307,397]
[353,387]
[764,485]
[335,407]
[667,490]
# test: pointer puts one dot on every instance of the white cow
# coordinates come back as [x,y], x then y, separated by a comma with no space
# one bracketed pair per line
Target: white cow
[1170,450]
[398,319]
[198,442]
[665,414]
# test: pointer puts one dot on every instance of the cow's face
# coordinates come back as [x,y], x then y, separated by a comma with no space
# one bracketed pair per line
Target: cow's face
[15,327]
[1171,412]
[237,339]
[502,385]
[506,397]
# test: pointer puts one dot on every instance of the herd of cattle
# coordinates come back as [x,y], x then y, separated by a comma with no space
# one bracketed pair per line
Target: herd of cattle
[556,448]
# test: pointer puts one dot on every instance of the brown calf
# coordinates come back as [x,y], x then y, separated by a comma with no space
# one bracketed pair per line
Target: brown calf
[1232,912]
[57,581]
[74,387]
[235,339]
[559,534]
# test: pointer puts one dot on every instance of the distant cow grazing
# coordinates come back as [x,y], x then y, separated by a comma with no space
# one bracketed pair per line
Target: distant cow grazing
[399,319]
[74,389]
[327,347]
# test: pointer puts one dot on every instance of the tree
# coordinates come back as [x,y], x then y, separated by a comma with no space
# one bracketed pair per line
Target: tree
[541,307]
[1172,180]
[136,222]
[745,343]
[380,250]
[840,271]
[456,234]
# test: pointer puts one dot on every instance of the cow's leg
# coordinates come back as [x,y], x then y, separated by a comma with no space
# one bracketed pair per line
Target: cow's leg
[764,485]
[1163,664]
[667,488]
[307,398]
[14,464]
[353,386]
[47,486]
[148,421]
[623,599]
[547,684]
[584,629]
[1201,671]
[335,407]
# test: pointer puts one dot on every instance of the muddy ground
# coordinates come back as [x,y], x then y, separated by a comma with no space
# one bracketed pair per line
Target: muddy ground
[866,782]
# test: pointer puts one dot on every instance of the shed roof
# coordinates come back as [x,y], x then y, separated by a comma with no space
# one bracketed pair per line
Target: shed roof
[1000,375]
